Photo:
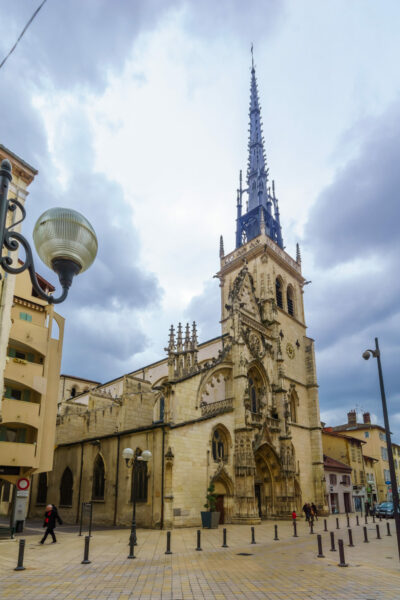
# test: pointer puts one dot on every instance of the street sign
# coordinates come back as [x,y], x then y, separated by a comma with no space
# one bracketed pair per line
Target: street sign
[388,482]
[23,483]
[22,493]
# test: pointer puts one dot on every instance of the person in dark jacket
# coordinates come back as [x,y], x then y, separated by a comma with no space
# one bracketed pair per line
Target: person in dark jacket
[50,517]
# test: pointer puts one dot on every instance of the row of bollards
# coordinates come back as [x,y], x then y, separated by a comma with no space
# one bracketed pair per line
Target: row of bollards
[342,563]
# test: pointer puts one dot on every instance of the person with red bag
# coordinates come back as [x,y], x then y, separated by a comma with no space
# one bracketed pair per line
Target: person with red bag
[50,517]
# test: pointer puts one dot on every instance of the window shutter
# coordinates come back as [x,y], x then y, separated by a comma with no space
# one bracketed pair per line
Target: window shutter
[31,357]
[26,396]
[11,352]
[29,318]
[8,392]
[21,436]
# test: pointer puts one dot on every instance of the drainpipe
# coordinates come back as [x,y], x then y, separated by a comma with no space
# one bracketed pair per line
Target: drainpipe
[80,486]
[162,479]
[116,483]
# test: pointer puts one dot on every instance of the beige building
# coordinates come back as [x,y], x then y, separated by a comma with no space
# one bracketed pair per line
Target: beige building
[375,447]
[339,486]
[349,451]
[71,386]
[30,377]
[240,410]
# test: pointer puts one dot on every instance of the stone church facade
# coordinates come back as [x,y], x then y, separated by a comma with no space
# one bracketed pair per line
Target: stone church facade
[240,410]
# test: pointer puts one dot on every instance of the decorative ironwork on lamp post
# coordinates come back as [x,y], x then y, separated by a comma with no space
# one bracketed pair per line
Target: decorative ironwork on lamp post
[64,239]
[395,494]
[131,461]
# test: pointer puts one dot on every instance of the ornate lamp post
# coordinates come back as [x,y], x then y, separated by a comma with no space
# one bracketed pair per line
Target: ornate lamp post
[64,240]
[377,354]
[131,462]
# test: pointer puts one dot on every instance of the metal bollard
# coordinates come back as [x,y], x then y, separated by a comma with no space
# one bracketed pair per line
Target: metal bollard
[357,521]
[21,550]
[378,533]
[276,539]
[373,518]
[320,553]
[350,538]
[198,541]
[86,560]
[224,544]
[342,562]
[311,526]
[332,548]
[295,528]
[380,519]
[388,528]
[348,520]
[337,523]
[365,535]
[131,546]
[366,520]
[168,550]
[253,536]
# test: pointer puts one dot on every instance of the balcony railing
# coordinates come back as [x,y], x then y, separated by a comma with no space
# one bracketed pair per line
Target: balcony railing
[216,408]
[19,411]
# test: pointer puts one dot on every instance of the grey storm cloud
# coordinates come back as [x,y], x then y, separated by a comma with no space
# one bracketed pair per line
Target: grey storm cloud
[352,233]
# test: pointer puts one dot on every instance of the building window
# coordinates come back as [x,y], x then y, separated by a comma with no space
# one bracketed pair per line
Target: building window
[6,487]
[219,448]
[98,479]
[278,288]
[384,453]
[73,392]
[362,480]
[386,474]
[382,437]
[253,396]
[25,317]
[346,479]
[366,434]
[8,434]
[66,490]
[332,479]
[139,482]
[395,463]
[290,300]
[162,408]
[41,496]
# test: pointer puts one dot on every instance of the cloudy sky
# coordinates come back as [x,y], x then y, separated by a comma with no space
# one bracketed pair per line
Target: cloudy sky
[136,114]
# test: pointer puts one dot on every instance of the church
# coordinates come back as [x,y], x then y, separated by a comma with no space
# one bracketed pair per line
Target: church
[240,411]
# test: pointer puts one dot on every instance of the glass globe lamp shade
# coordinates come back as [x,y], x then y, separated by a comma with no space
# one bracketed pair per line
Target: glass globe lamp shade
[127,453]
[63,234]
[146,455]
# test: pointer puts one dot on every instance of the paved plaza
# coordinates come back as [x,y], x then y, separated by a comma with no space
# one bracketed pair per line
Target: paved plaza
[287,569]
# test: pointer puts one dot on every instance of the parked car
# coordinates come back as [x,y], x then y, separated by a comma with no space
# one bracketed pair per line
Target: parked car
[385,509]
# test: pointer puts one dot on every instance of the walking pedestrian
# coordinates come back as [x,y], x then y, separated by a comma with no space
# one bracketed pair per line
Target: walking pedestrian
[294,516]
[50,517]
[307,511]
[314,509]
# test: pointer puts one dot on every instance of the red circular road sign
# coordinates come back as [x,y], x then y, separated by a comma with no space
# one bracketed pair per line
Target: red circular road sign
[23,483]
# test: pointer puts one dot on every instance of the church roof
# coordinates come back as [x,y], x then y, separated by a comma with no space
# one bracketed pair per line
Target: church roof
[331,464]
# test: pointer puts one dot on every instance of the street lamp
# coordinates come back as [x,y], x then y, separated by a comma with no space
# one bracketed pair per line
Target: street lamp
[377,354]
[131,461]
[64,240]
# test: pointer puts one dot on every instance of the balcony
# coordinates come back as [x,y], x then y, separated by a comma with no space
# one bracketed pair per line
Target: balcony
[18,455]
[216,408]
[18,411]
[28,374]
[30,335]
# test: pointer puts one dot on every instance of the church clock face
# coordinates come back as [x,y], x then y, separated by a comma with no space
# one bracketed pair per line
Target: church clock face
[290,350]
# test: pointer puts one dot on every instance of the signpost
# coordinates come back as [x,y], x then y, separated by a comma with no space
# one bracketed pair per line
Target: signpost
[86,509]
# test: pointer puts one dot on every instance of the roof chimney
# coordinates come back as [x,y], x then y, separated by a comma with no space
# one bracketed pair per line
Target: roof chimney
[367,418]
[352,417]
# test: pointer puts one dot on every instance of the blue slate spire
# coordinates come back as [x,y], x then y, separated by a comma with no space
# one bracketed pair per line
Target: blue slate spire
[260,199]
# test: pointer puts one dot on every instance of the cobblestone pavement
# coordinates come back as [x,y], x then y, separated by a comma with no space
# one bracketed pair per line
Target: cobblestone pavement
[287,569]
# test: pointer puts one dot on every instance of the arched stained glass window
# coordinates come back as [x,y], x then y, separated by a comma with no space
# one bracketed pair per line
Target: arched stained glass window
[66,488]
[98,479]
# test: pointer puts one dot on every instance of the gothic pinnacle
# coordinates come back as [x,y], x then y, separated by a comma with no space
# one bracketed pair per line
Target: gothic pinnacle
[194,335]
[187,337]
[179,337]
[171,343]
[221,247]
[298,255]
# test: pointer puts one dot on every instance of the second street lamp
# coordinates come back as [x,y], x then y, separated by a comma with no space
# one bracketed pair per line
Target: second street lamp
[131,461]
[395,494]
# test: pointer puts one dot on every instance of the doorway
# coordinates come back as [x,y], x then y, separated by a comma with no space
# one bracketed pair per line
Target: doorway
[257,493]
[219,507]
[347,502]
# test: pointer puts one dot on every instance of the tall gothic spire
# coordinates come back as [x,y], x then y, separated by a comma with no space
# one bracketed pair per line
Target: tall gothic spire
[259,217]
[257,174]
